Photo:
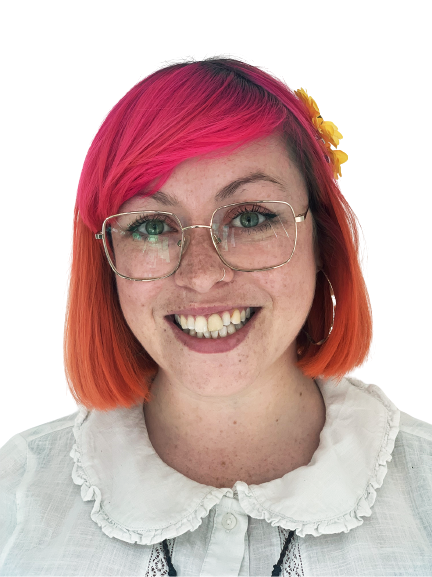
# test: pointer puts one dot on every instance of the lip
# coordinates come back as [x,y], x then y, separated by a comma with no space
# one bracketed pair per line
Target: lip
[203,311]
[212,346]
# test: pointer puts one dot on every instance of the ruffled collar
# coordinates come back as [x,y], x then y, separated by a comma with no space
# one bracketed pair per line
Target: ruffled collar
[140,499]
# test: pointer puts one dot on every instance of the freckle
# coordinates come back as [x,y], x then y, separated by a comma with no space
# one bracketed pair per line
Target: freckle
[235,423]
[223,463]
[301,393]
[277,420]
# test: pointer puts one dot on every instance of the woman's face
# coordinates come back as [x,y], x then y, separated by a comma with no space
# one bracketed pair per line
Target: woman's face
[281,298]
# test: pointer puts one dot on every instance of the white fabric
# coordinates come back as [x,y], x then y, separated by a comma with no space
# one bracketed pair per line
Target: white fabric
[129,500]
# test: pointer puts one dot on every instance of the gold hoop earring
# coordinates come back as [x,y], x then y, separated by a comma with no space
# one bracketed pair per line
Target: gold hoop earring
[333,298]
[222,277]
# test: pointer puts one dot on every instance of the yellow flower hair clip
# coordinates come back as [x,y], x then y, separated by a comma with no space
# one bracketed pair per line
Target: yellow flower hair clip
[328,131]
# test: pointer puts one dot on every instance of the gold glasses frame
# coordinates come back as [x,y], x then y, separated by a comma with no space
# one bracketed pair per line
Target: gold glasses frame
[102,236]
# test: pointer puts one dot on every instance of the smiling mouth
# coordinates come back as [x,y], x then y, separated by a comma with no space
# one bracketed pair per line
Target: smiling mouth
[222,333]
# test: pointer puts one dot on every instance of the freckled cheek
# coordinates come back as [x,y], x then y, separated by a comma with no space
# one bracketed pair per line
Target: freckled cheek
[136,301]
[282,280]
[292,290]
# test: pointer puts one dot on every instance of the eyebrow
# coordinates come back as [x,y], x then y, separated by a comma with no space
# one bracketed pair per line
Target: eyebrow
[223,193]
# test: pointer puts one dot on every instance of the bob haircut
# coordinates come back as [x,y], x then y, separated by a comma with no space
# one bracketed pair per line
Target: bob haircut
[209,107]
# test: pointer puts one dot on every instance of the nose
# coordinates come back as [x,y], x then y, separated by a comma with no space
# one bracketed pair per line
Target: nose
[201,268]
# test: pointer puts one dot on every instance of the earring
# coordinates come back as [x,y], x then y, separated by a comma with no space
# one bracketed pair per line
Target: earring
[333,298]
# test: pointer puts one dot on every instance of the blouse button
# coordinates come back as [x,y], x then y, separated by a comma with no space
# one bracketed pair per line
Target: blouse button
[229,521]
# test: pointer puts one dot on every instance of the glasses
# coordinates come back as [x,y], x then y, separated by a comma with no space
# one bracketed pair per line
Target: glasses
[250,236]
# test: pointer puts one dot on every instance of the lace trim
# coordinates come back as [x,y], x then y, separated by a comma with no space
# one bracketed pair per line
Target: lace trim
[157,563]
[292,565]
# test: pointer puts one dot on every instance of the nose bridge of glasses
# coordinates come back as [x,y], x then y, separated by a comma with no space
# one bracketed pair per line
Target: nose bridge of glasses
[196,226]
[187,241]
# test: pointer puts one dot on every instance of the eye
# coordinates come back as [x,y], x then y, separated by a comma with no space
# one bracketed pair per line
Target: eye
[149,226]
[250,217]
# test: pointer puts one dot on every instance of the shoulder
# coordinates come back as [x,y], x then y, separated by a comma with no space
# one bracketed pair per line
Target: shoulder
[415,430]
[413,447]
[23,459]
[13,455]
[410,470]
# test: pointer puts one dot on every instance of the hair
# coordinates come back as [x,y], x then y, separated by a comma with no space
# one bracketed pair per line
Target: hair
[187,109]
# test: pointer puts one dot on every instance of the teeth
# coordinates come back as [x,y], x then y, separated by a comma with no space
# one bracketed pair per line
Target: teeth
[223,332]
[216,326]
[226,319]
[201,324]
[214,323]
[235,317]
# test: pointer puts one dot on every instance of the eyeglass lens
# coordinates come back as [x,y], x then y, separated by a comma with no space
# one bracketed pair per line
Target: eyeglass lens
[248,236]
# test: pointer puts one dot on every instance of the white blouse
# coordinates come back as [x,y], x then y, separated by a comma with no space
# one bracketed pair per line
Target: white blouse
[106,510]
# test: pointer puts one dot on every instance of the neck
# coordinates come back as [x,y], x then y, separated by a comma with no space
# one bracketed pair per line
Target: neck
[256,435]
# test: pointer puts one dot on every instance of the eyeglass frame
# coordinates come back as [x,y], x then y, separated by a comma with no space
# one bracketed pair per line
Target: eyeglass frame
[181,243]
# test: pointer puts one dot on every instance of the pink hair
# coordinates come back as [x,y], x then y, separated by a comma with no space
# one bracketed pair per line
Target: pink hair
[182,111]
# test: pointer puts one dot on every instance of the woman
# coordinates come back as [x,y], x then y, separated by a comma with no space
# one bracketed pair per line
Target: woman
[216,305]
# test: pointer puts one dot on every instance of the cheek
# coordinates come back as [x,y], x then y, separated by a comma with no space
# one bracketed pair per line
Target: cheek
[292,288]
[135,301]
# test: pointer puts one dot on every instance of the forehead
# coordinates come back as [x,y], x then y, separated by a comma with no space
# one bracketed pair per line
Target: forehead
[259,170]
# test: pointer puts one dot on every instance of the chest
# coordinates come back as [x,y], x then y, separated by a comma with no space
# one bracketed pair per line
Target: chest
[223,467]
